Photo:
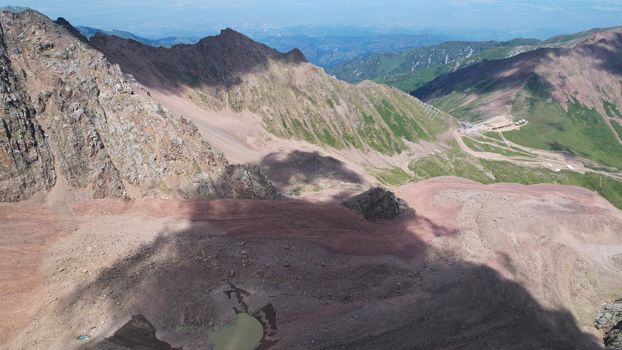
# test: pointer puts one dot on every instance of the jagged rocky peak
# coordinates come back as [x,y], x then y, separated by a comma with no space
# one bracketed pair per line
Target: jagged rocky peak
[70,113]
[215,61]
[233,41]
[65,23]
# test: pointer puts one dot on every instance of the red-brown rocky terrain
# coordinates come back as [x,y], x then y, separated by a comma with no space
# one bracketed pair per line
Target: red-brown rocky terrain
[500,266]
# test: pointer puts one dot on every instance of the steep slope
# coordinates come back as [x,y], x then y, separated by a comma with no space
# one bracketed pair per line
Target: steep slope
[571,96]
[25,160]
[293,98]
[410,69]
[64,101]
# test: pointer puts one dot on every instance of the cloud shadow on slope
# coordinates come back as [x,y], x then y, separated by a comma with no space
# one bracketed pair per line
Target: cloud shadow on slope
[306,168]
[334,280]
[608,52]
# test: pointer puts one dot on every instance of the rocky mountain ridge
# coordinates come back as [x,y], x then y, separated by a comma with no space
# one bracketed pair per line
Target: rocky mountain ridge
[410,69]
[25,158]
[570,97]
[587,71]
[70,113]
[293,98]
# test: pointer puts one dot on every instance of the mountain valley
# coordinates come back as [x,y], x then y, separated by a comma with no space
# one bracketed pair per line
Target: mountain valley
[193,195]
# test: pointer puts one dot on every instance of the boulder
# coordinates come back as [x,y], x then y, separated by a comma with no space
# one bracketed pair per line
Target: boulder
[609,315]
[609,318]
[377,204]
[138,333]
[613,338]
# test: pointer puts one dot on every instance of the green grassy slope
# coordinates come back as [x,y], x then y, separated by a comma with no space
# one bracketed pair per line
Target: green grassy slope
[612,110]
[574,129]
[617,126]
[578,130]
[453,162]
[410,69]
[331,113]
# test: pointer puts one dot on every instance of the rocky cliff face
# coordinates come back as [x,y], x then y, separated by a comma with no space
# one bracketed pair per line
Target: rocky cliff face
[25,159]
[105,135]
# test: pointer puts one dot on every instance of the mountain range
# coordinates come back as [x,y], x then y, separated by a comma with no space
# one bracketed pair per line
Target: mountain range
[323,49]
[570,96]
[224,195]
[293,98]
[329,50]
[88,32]
[71,126]
[412,68]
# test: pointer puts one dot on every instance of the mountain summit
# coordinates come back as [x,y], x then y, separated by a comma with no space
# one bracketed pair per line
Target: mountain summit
[214,61]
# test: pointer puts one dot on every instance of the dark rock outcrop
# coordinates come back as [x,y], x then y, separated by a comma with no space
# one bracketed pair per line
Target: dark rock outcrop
[235,182]
[613,338]
[377,204]
[138,334]
[76,33]
[609,317]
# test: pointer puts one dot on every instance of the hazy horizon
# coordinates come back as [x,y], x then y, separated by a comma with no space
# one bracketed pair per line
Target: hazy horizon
[477,19]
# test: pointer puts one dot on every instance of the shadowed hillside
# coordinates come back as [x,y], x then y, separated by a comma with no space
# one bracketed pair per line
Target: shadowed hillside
[294,98]
[571,96]
[333,282]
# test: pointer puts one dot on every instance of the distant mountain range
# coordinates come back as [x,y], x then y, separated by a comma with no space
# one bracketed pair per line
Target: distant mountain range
[411,69]
[330,50]
[89,32]
[324,50]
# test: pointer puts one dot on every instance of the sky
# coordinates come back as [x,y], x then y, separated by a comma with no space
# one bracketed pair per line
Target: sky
[475,19]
